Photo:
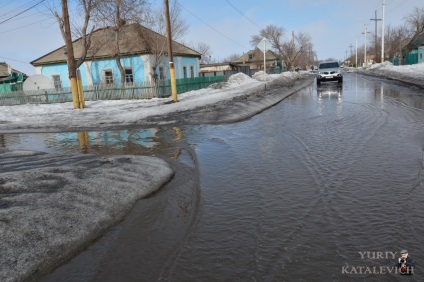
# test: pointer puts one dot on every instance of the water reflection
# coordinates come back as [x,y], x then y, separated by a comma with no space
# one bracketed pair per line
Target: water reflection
[2,141]
[330,90]
[98,141]
[327,94]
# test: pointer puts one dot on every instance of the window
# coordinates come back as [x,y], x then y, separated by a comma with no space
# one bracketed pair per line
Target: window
[129,77]
[191,71]
[162,73]
[185,72]
[250,56]
[108,76]
[57,82]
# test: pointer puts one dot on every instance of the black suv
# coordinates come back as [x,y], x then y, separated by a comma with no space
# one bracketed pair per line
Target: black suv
[329,71]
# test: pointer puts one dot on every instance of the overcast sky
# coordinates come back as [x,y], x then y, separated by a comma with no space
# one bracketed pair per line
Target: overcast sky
[225,25]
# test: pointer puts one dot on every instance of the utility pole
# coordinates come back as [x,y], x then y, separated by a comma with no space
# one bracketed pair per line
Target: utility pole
[382,33]
[351,54]
[170,57]
[72,70]
[365,48]
[356,51]
[375,34]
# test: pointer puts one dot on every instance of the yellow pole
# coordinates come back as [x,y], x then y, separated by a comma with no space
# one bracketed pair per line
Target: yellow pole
[171,59]
[84,141]
[173,82]
[81,100]
[74,89]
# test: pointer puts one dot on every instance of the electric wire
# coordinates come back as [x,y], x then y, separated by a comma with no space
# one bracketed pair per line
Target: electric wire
[217,31]
[14,9]
[241,13]
[22,12]
[13,29]
[14,60]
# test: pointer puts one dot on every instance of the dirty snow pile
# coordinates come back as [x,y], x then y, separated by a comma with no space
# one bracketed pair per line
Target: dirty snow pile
[262,76]
[53,206]
[239,79]
[407,73]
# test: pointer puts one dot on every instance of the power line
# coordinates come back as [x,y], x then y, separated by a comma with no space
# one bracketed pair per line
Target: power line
[217,31]
[14,60]
[241,13]
[15,8]
[9,30]
[22,12]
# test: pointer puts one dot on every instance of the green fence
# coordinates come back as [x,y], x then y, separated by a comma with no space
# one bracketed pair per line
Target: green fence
[106,92]
[411,58]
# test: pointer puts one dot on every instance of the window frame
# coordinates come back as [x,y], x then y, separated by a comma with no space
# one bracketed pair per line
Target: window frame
[192,71]
[162,73]
[108,80]
[57,86]
[185,71]
[129,76]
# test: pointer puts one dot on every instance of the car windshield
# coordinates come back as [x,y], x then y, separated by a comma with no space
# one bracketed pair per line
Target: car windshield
[329,65]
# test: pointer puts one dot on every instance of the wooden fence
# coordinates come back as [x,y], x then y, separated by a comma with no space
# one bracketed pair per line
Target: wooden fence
[144,90]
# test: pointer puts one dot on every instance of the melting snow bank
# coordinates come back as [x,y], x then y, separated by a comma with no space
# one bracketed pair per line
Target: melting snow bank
[122,113]
[240,105]
[411,74]
[51,207]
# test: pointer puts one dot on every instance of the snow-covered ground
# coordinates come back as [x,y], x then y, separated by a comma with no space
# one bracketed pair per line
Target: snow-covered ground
[412,74]
[104,114]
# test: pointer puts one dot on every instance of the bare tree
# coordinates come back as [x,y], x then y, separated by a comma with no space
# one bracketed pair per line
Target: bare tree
[156,22]
[232,58]
[290,50]
[206,52]
[117,14]
[274,34]
[395,41]
[88,7]
[415,25]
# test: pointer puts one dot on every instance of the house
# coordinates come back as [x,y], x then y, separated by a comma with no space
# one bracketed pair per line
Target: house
[255,59]
[10,79]
[143,56]
[415,53]
[218,69]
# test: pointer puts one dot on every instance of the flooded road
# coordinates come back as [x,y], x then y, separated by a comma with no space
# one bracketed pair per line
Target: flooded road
[325,186]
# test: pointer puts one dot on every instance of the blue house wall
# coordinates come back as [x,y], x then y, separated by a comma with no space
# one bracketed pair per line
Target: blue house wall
[57,69]
[134,62]
[421,55]
[138,65]
[188,62]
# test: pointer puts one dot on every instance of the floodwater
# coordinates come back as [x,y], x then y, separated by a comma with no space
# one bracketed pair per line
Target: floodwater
[325,186]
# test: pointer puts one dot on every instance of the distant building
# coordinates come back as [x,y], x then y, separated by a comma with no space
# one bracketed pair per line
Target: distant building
[139,48]
[10,79]
[218,69]
[254,59]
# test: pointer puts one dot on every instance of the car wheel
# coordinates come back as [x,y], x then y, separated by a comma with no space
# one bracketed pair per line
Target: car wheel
[318,81]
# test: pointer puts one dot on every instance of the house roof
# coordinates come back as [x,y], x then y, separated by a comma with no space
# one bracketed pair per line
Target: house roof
[257,55]
[217,64]
[4,70]
[135,39]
